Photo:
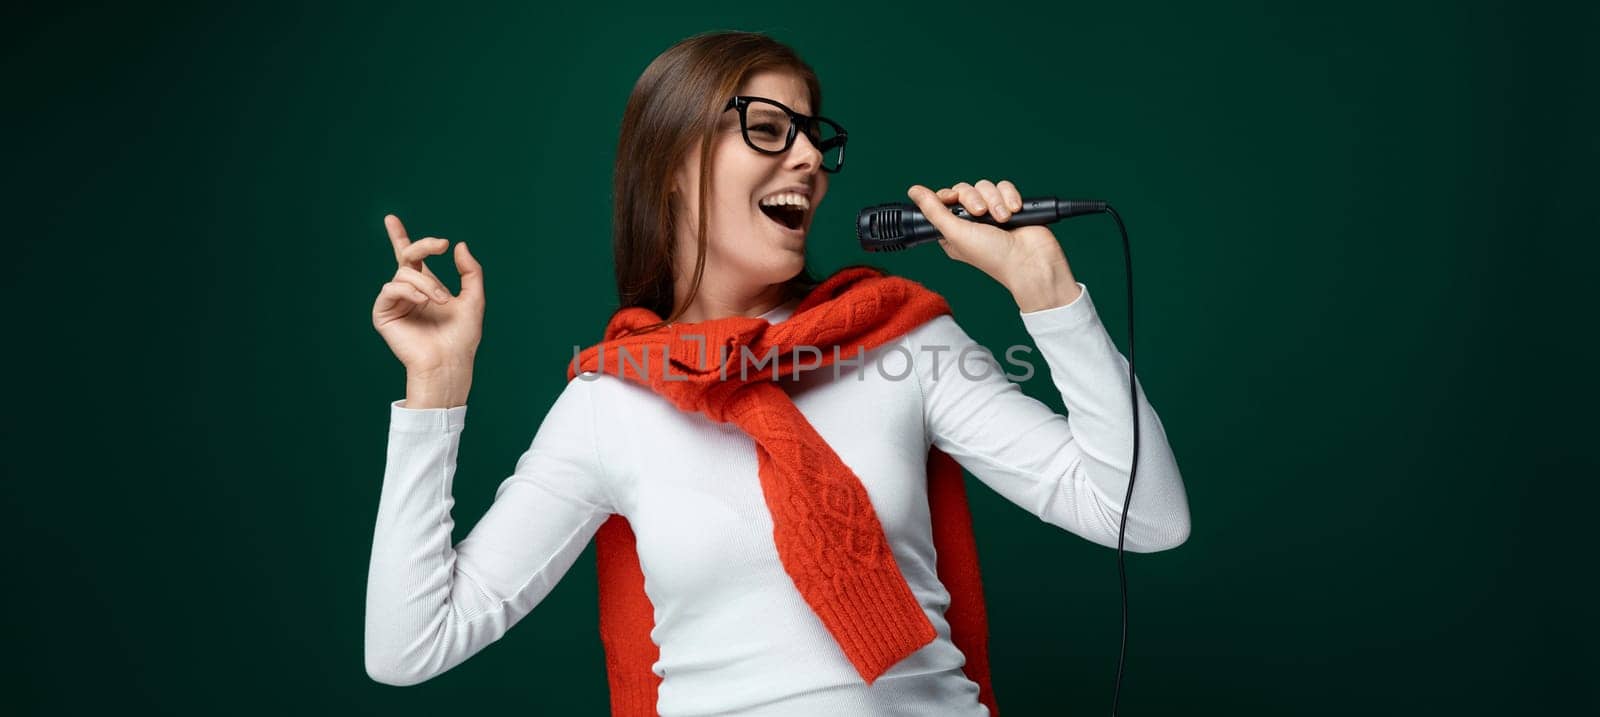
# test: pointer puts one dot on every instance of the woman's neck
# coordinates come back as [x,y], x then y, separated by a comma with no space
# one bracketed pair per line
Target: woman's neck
[716,303]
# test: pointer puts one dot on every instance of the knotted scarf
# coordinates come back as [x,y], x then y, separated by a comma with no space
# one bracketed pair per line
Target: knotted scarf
[826,531]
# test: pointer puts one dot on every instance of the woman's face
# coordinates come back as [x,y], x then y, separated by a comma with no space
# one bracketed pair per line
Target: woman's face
[747,249]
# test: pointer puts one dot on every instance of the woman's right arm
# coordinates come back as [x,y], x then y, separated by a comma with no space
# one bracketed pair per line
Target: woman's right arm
[431,605]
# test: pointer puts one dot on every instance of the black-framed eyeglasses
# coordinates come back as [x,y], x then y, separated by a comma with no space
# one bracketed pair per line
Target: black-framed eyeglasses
[770,128]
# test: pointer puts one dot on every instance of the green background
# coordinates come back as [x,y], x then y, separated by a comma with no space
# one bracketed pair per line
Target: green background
[1363,237]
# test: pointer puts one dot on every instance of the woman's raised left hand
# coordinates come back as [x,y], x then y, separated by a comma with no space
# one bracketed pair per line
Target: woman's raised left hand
[1028,261]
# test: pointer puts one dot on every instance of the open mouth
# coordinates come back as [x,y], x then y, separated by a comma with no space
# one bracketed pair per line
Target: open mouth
[790,216]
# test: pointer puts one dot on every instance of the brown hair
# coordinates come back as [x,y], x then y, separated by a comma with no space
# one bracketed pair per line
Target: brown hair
[678,100]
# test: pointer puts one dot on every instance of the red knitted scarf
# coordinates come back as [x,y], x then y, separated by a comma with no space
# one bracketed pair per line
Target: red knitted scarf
[824,527]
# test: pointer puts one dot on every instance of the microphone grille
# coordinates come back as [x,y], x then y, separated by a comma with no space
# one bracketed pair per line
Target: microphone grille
[882,227]
[886,224]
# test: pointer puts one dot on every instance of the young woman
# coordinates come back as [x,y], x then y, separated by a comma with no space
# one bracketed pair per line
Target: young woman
[705,153]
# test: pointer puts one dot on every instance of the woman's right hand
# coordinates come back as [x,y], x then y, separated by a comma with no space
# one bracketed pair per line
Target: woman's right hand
[428,329]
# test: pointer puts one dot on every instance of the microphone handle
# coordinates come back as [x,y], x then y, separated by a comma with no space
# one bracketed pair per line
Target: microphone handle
[1035,211]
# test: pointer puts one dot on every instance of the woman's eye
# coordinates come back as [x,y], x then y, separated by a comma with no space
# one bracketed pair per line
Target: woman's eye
[766,129]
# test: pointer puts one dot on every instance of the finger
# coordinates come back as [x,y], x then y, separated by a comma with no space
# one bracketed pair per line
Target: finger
[1013,197]
[427,285]
[991,196]
[421,265]
[947,195]
[397,235]
[971,199]
[470,270]
[417,282]
[396,293]
[413,255]
[937,213]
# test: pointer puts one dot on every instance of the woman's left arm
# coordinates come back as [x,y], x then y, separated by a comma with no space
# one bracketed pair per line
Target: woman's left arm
[1071,471]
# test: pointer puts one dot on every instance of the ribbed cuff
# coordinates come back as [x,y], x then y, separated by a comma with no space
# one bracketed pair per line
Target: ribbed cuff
[1073,315]
[875,618]
[425,420]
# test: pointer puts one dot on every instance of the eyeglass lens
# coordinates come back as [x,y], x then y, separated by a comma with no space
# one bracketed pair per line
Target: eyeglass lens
[767,126]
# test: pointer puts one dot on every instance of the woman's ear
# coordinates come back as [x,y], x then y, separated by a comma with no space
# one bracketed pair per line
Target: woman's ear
[678,180]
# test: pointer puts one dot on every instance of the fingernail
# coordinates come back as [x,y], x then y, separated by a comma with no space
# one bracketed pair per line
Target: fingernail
[442,296]
[978,207]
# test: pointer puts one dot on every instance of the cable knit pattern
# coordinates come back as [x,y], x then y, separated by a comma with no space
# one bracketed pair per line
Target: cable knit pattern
[826,531]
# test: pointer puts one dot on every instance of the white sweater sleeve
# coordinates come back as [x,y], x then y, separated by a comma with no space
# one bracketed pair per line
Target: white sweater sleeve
[429,605]
[1070,471]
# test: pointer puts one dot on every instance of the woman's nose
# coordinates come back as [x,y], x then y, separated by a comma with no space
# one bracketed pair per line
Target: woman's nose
[804,154]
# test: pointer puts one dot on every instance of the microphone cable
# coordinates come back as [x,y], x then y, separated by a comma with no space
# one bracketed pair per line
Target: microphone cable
[1133,394]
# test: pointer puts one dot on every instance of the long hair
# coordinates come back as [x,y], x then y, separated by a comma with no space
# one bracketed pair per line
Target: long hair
[674,106]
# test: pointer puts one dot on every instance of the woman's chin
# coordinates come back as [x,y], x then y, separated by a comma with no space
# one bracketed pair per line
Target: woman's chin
[781,265]
[783,249]
[790,240]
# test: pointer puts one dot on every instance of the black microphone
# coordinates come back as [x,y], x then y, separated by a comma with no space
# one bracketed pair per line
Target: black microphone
[901,225]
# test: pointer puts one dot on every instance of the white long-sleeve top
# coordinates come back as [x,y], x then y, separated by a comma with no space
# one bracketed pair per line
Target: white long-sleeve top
[735,635]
